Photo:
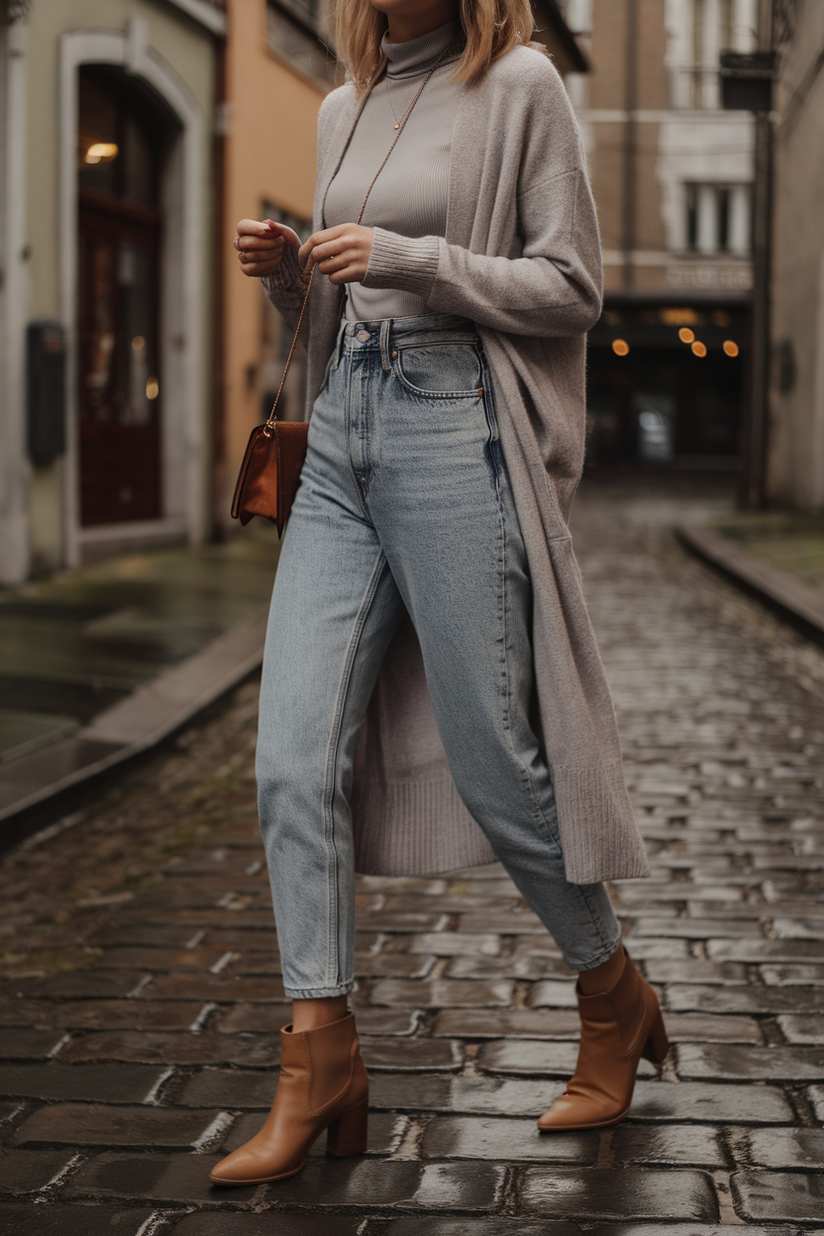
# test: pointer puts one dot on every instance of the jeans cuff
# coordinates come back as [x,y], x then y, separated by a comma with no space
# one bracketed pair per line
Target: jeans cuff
[603,956]
[318,993]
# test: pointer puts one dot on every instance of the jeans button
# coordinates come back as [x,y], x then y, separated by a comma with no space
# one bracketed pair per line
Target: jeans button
[362,336]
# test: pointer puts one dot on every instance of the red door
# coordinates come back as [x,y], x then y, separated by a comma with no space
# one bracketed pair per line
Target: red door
[119,376]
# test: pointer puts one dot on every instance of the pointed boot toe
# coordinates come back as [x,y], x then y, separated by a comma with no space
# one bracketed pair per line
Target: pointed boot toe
[322,1085]
[618,1027]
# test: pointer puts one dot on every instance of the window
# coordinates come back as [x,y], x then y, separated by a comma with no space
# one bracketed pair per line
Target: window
[119,154]
[718,219]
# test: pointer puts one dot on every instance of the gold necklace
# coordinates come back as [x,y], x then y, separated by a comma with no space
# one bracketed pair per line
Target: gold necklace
[444,54]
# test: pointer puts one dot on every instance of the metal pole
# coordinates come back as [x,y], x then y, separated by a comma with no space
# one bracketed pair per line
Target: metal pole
[754,493]
[629,187]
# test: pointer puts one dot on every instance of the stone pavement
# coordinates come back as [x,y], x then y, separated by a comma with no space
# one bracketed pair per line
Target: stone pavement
[98,664]
[141,998]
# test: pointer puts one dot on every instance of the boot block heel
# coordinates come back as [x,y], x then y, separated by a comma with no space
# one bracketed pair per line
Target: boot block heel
[348,1133]
[657,1044]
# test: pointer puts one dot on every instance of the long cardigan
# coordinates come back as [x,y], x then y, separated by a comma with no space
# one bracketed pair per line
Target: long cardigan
[521,258]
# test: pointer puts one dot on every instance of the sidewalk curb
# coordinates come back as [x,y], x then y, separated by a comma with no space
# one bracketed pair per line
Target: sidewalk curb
[152,712]
[780,591]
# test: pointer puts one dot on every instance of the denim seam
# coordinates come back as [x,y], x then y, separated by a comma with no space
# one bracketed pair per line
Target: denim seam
[332,751]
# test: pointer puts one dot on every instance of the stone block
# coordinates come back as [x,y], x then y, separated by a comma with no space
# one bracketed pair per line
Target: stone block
[29,1220]
[789,974]
[537,1058]
[387,1185]
[786,1148]
[20,1044]
[507,1023]
[242,1018]
[679,1145]
[754,951]
[25,1171]
[229,1088]
[85,1124]
[479,1137]
[472,1094]
[269,1223]
[100,1014]
[100,1083]
[611,1195]
[694,928]
[251,1051]
[728,1061]
[214,987]
[393,965]
[450,943]
[779,1197]
[714,1103]
[764,1000]
[802,1028]
[554,994]
[158,1178]
[81,985]
[437,993]
[696,970]
[716,1028]
[411,1055]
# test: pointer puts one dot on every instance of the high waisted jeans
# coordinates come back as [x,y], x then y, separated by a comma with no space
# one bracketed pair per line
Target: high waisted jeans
[404,504]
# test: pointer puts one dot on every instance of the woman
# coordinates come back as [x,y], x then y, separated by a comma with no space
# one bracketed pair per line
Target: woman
[430,667]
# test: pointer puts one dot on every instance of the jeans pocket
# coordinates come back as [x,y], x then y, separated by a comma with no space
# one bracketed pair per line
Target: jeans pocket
[441,370]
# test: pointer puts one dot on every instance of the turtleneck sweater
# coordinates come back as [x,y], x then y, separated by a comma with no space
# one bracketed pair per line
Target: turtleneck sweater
[410,195]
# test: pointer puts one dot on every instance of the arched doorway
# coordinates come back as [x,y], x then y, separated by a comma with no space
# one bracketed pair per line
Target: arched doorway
[120,388]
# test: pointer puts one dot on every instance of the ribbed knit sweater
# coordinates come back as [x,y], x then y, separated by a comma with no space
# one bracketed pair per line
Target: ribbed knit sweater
[411,192]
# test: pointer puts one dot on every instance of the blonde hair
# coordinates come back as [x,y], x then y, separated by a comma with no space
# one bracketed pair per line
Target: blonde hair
[491,29]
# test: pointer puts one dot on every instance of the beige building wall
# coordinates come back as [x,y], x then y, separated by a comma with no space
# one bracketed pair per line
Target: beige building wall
[270,157]
[796,463]
[182,51]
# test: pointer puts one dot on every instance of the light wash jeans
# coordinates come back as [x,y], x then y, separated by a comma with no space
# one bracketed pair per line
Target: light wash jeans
[404,502]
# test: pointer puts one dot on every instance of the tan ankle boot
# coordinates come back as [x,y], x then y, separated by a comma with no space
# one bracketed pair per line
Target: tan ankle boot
[618,1027]
[322,1085]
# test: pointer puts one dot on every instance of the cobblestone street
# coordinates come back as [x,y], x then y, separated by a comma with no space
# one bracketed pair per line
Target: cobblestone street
[140,1001]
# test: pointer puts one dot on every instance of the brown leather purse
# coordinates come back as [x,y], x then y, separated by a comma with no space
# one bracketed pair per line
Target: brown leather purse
[269,475]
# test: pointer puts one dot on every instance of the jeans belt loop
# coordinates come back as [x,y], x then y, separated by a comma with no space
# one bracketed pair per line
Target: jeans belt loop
[385,361]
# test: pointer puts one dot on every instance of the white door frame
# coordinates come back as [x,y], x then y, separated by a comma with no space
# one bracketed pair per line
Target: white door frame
[183,442]
[15,470]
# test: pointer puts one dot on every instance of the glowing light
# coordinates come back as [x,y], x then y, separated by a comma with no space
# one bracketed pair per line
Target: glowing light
[138,343]
[699,349]
[686,335]
[152,388]
[679,317]
[101,152]
[620,347]
[730,348]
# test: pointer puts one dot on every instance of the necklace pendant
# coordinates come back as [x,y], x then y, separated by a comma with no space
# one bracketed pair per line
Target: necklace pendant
[397,126]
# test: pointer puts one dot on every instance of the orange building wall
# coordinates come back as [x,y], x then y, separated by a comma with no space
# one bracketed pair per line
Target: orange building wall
[270,155]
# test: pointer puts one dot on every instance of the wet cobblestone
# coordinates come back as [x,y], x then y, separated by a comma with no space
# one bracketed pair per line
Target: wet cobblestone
[140,996]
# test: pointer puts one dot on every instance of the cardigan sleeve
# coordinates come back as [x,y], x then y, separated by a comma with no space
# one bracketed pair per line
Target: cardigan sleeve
[553,289]
[282,286]
[552,285]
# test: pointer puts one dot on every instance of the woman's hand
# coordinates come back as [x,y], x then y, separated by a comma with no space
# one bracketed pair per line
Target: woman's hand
[340,252]
[260,246]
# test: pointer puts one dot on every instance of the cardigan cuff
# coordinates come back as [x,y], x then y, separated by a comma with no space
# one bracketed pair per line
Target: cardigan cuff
[402,263]
[282,285]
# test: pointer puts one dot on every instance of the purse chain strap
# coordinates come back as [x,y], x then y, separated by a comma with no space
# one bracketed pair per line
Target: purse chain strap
[269,425]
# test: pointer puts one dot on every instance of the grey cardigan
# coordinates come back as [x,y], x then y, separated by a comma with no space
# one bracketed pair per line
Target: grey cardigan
[521,258]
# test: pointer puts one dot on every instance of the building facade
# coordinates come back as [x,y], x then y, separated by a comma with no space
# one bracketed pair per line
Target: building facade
[672,177]
[108,117]
[279,68]
[795,469]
